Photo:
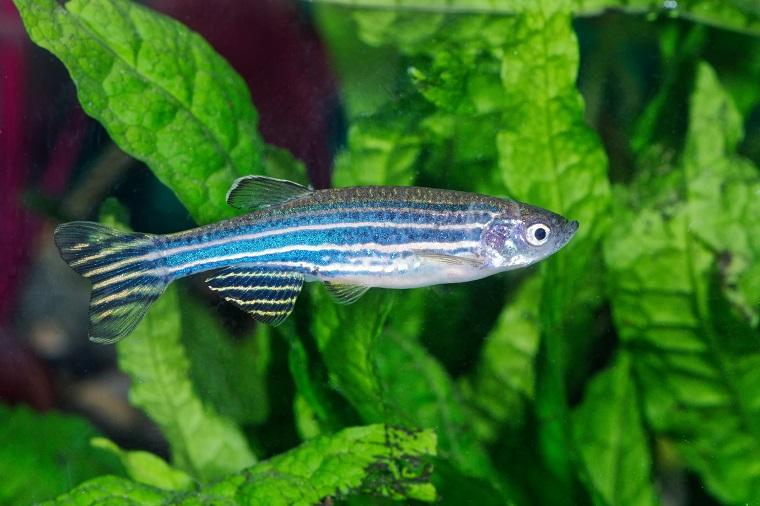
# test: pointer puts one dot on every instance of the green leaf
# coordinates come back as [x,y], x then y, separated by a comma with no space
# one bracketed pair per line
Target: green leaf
[161,92]
[374,459]
[363,364]
[695,358]
[227,373]
[155,359]
[549,157]
[504,379]
[147,468]
[345,335]
[314,408]
[610,437]
[42,455]
[545,147]
[112,490]
[723,189]
[426,397]
[382,150]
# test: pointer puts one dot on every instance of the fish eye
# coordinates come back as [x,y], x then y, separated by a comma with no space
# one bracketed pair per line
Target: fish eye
[537,234]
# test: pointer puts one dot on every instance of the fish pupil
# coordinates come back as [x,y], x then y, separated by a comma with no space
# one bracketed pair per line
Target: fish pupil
[540,234]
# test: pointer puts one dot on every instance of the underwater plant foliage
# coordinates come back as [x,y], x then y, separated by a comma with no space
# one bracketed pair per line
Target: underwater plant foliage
[492,392]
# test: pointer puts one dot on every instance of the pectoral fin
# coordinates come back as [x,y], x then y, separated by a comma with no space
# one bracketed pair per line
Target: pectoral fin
[345,293]
[451,259]
[267,295]
[255,192]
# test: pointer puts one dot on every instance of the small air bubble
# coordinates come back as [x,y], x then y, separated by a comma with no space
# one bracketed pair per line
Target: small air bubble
[670,4]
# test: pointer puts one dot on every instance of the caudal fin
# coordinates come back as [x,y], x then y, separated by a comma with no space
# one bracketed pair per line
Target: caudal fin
[126,270]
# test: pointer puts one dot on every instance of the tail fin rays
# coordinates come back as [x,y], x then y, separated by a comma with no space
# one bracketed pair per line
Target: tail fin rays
[126,271]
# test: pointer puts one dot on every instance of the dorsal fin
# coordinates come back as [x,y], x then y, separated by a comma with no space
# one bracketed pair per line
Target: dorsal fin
[249,193]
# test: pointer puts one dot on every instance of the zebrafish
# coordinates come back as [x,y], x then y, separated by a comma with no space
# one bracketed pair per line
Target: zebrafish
[350,239]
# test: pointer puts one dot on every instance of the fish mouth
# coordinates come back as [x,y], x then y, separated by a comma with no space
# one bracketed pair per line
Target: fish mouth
[569,231]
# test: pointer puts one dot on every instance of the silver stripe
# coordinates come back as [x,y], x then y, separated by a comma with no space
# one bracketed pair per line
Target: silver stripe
[351,248]
[385,248]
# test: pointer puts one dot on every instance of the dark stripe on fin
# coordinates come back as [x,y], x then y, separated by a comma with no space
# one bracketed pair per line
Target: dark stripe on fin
[123,287]
[266,294]
[344,293]
[256,192]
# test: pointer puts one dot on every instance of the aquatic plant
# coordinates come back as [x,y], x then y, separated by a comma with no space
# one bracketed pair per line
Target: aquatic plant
[488,393]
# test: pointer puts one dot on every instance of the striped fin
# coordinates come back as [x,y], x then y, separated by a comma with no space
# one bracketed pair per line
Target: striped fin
[266,294]
[344,293]
[122,288]
[255,192]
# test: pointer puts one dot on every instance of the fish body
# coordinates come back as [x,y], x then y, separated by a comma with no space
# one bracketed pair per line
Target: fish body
[351,239]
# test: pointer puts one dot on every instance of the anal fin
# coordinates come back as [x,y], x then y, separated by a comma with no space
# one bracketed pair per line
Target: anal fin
[266,294]
[344,293]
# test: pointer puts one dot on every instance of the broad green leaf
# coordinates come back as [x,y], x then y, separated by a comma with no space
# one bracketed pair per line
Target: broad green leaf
[313,407]
[147,468]
[425,396]
[363,364]
[43,455]
[345,335]
[382,150]
[113,490]
[162,93]
[610,437]
[548,155]
[228,373]
[157,362]
[695,358]
[693,387]
[375,459]
[723,188]
[551,158]
[504,379]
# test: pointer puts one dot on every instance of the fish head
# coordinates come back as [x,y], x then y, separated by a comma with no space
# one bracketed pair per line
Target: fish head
[523,235]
